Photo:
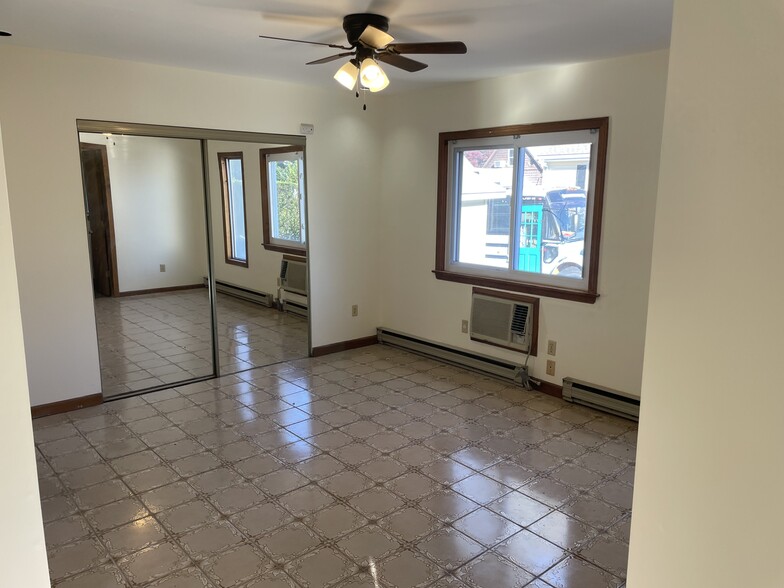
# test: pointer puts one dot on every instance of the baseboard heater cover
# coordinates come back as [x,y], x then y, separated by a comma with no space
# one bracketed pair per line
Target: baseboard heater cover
[601,398]
[295,308]
[452,355]
[250,295]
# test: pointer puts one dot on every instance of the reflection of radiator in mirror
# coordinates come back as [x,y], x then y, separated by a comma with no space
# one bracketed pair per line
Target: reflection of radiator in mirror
[293,285]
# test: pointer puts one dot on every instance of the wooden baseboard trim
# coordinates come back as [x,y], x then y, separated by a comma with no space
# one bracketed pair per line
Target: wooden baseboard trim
[160,290]
[551,389]
[344,346]
[43,410]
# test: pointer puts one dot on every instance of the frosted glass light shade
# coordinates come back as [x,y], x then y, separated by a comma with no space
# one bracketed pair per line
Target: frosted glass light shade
[347,76]
[371,76]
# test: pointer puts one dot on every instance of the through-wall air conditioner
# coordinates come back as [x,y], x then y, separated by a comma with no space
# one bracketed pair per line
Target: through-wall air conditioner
[294,275]
[504,319]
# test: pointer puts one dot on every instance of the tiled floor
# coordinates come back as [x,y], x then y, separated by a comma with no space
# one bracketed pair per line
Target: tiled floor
[154,339]
[370,468]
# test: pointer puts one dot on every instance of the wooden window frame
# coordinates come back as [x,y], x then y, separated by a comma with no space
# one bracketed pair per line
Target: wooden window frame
[228,248]
[587,295]
[266,214]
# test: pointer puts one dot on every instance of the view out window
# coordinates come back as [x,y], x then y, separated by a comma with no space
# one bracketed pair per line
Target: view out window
[519,207]
[233,193]
[283,199]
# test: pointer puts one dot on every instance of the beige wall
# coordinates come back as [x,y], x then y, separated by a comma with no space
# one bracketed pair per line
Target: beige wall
[600,343]
[22,550]
[710,461]
[47,210]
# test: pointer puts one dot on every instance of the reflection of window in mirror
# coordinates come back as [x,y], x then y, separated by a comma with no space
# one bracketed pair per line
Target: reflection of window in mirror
[283,199]
[233,195]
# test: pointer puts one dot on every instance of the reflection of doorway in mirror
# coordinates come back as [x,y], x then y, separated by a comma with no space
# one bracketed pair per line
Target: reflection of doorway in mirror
[100,227]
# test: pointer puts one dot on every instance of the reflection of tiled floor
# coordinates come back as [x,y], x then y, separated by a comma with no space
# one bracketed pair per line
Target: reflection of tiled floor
[369,468]
[154,339]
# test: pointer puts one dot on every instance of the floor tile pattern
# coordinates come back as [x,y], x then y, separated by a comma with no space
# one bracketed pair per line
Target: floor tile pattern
[368,468]
[151,340]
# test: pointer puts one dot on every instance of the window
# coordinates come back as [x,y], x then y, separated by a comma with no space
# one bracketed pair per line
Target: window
[498,216]
[283,199]
[233,194]
[533,226]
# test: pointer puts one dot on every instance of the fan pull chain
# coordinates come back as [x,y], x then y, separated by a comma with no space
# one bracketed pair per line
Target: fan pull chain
[364,105]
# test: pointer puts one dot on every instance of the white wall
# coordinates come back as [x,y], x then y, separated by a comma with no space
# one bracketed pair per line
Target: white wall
[263,268]
[47,212]
[22,549]
[601,343]
[158,210]
[710,459]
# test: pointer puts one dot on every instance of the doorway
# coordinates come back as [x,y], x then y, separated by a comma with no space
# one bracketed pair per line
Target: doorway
[99,218]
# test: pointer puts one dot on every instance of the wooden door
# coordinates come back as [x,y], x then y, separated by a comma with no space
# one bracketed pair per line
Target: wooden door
[97,194]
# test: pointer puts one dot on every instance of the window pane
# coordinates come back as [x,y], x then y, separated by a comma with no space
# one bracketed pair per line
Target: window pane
[285,200]
[236,209]
[484,207]
[552,221]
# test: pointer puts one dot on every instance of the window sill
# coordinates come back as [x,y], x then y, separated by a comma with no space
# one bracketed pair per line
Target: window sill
[237,262]
[283,249]
[527,288]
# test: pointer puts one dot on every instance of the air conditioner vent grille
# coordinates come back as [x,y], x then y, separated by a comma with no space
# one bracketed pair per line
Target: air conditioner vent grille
[519,319]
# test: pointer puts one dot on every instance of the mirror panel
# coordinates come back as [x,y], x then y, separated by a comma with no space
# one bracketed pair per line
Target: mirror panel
[185,287]
[144,201]
[254,327]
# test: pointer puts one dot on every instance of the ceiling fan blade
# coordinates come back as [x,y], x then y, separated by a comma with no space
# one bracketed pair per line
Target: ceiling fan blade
[396,60]
[438,48]
[376,38]
[330,58]
[306,42]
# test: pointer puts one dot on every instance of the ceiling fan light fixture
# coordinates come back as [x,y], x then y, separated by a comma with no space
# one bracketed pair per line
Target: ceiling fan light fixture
[371,76]
[347,75]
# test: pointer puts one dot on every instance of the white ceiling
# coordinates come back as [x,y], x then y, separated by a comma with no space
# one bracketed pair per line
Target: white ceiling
[503,36]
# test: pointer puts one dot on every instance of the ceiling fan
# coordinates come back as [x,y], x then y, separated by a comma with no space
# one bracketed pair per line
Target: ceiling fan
[369,43]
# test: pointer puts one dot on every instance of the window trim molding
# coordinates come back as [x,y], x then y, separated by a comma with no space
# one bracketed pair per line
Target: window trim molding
[227,246]
[266,216]
[590,294]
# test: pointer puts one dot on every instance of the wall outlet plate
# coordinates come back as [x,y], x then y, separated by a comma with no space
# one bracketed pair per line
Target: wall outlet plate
[355,310]
[550,371]
[306,128]
[464,327]
[551,347]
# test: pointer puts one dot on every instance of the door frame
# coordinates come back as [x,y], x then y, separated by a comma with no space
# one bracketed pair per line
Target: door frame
[107,201]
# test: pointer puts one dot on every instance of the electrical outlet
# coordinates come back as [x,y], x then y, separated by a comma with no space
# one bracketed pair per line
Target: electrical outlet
[550,367]
[354,310]
[551,347]
[163,267]
[464,327]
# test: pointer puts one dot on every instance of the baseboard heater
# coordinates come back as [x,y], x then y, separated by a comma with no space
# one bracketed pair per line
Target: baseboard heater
[295,308]
[249,295]
[601,398]
[452,355]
